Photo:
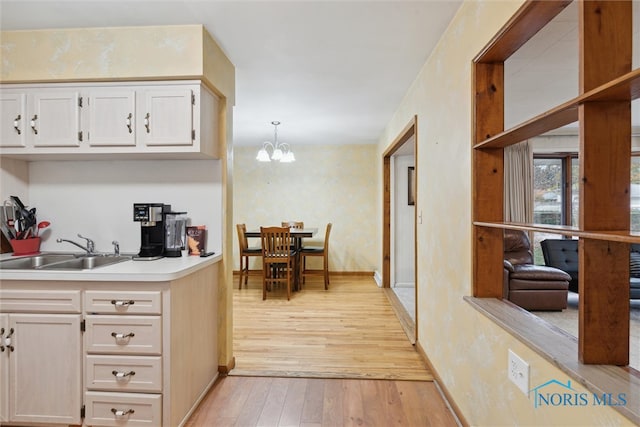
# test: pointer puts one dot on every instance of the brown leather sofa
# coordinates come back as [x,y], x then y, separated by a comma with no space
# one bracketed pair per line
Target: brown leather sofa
[532,287]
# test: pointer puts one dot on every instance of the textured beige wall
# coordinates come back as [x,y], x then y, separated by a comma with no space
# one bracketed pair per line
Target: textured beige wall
[468,351]
[116,53]
[328,183]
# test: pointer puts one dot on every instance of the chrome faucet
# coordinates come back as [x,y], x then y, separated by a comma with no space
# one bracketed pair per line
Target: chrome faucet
[90,248]
[116,247]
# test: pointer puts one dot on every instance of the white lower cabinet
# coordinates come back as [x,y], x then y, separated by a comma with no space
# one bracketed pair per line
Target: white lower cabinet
[120,377]
[124,373]
[39,358]
[147,356]
[123,409]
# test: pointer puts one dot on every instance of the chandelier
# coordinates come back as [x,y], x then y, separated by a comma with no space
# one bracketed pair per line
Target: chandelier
[280,151]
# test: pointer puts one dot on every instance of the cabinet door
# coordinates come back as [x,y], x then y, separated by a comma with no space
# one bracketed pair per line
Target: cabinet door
[54,118]
[45,384]
[4,369]
[111,117]
[167,117]
[12,119]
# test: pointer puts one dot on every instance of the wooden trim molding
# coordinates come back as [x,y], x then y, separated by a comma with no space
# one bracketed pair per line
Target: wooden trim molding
[443,389]
[225,369]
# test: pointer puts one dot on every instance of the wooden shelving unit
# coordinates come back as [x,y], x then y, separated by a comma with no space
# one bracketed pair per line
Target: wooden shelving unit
[603,108]
[624,88]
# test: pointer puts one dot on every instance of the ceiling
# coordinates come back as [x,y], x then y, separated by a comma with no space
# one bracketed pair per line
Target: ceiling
[331,72]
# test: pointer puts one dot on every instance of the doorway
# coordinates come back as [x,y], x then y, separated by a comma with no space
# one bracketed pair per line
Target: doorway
[399,267]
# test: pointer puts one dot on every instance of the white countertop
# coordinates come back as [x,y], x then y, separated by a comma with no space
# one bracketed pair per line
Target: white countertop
[159,270]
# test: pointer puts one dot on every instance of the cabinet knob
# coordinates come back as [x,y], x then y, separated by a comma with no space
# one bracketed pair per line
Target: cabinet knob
[16,123]
[147,123]
[33,123]
[121,413]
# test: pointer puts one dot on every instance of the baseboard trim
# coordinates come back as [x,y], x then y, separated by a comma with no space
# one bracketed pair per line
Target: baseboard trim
[225,369]
[443,389]
[198,400]
[407,323]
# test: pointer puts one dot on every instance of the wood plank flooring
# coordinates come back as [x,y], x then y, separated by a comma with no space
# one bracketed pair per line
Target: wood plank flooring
[325,358]
[308,402]
[348,331]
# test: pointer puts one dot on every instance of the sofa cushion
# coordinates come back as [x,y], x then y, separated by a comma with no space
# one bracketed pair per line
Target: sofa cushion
[634,264]
[538,272]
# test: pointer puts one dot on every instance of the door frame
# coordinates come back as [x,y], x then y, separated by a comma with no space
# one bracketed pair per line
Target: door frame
[410,130]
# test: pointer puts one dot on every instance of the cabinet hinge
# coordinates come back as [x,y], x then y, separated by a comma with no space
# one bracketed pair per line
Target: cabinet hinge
[80,136]
[83,326]
[80,102]
[193,99]
[193,134]
[83,411]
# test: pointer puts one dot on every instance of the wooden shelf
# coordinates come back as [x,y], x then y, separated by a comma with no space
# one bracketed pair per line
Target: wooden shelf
[626,87]
[565,230]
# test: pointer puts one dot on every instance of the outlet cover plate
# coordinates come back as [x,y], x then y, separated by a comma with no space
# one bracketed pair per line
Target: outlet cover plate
[518,372]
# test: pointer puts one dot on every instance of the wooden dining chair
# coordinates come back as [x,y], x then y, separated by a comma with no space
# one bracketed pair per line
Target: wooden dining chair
[245,252]
[316,251]
[277,258]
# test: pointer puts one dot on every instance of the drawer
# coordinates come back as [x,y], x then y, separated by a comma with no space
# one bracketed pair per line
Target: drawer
[39,301]
[124,334]
[124,373]
[123,302]
[123,409]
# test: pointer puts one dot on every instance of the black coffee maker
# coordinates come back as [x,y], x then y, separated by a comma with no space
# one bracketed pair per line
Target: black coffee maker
[151,217]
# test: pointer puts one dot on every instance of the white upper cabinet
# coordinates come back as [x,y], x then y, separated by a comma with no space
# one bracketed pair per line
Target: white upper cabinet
[49,117]
[112,120]
[13,110]
[167,117]
[155,120]
[54,118]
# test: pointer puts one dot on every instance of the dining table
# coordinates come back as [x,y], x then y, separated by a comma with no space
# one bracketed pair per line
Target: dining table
[297,234]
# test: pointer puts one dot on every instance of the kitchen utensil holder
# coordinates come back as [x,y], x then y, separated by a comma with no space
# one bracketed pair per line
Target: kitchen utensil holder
[26,246]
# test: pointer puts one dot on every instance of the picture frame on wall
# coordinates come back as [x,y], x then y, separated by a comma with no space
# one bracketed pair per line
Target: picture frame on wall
[411,185]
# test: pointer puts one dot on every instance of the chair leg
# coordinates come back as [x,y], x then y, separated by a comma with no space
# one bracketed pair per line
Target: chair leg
[264,282]
[326,272]
[246,270]
[289,269]
[241,272]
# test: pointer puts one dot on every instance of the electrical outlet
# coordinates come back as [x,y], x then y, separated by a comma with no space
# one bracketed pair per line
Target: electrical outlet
[518,372]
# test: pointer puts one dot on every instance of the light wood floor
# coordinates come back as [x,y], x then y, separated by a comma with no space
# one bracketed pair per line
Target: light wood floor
[325,358]
[349,331]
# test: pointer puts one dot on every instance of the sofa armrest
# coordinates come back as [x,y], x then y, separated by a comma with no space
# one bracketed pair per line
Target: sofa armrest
[508,266]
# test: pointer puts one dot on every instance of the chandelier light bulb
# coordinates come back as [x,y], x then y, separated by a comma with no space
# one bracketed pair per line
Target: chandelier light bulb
[279,151]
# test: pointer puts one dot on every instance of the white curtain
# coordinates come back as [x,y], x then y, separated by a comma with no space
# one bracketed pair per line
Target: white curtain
[518,183]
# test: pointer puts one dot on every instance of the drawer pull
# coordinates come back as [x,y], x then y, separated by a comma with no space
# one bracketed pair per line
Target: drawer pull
[16,122]
[122,336]
[119,375]
[119,303]
[120,413]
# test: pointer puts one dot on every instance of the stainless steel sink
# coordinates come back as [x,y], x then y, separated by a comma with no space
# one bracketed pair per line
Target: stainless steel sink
[35,261]
[85,263]
[62,262]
